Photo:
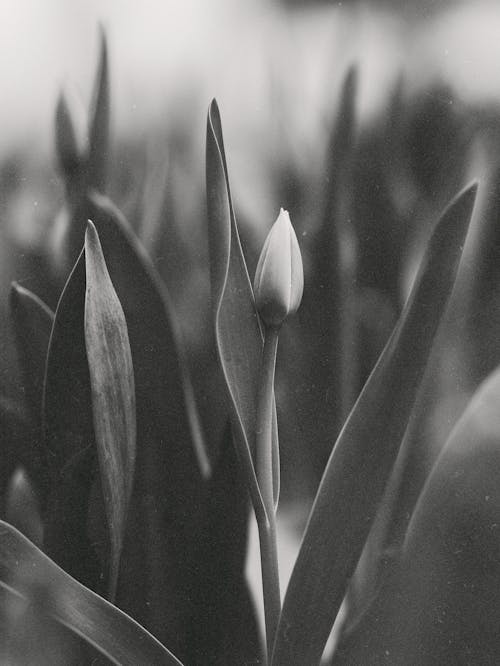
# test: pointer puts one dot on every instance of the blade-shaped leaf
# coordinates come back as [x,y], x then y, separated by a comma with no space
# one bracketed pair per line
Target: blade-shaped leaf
[24,570]
[113,394]
[99,121]
[363,456]
[32,325]
[237,332]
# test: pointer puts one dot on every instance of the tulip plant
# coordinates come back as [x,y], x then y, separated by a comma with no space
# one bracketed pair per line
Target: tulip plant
[125,527]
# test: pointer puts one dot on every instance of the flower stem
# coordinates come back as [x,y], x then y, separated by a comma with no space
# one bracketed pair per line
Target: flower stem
[264,469]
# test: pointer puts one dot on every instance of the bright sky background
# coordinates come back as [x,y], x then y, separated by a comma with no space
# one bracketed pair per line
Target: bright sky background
[164,51]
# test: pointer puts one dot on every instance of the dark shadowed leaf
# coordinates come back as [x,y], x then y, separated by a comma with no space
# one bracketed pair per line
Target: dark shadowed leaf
[26,571]
[237,332]
[224,627]
[113,394]
[336,261]
[99,122]
[69,436]
[32,325]
[363,456]
[326,372]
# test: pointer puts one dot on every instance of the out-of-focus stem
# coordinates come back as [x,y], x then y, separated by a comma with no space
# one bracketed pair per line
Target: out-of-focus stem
[264,469]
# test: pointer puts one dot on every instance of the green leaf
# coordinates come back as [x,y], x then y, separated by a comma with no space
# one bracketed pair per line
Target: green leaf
[99,122]
[238,336]
[32,326]
[27,572]
[113,394]
[361,461]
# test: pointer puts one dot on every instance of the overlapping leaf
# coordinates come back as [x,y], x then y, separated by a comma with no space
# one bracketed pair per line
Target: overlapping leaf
[26,571]
[361,461]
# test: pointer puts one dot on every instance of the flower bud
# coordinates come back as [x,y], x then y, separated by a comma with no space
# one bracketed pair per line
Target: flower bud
[279,278]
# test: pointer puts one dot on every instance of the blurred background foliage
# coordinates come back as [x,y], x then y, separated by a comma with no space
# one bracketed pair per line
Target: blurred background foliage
[379,152]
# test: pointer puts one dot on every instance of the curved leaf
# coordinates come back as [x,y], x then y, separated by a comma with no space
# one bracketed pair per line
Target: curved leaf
[237,331]
[25,570]
[363,456]
[113,394]
[32,325]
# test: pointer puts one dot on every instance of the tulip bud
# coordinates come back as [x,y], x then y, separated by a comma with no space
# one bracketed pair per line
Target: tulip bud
[279,278]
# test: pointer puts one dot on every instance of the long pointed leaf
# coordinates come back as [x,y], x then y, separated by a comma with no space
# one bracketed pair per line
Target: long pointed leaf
[113,394]
[25,570]
[237,332]
[363,456]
